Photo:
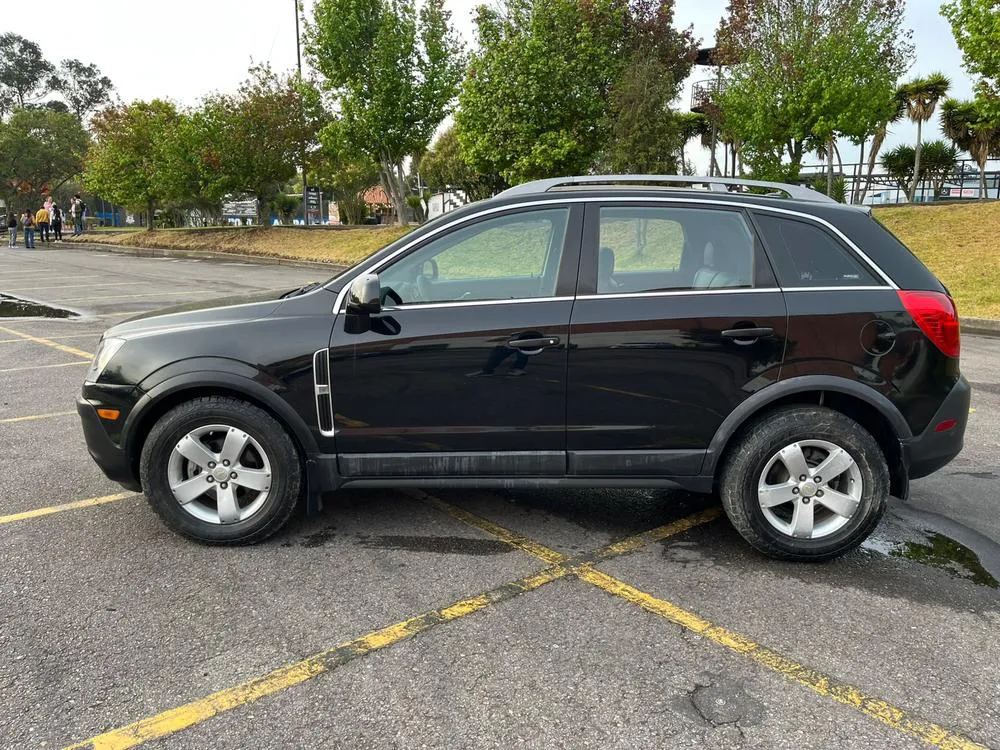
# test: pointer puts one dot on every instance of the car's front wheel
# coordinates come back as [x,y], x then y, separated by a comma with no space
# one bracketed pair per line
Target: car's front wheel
[221,470]
[805,483]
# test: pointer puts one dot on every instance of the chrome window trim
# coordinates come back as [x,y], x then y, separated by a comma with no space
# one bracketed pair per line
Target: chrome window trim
[858,288]
[555,199]
[476,303]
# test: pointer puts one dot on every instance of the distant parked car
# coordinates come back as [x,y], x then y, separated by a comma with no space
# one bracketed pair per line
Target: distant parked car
[786,352]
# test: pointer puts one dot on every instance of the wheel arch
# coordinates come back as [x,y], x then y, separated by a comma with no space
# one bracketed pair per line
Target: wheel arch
[869,408]
[180,388]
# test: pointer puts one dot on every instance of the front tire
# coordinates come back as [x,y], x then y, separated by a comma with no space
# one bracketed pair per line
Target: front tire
[775,493]
[221,471]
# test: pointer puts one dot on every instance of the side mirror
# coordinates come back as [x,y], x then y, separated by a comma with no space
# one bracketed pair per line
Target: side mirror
[364,295]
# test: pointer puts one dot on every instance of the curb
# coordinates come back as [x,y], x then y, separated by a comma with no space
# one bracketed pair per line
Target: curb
[980,326]
[160,252]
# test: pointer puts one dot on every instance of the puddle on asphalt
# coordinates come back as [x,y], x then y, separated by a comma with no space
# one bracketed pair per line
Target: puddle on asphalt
[937,551]
[12,307]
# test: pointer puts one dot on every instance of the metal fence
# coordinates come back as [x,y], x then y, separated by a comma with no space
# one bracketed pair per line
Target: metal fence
[961,183]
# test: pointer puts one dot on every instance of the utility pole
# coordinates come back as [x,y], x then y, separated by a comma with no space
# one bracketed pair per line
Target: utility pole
[302,160]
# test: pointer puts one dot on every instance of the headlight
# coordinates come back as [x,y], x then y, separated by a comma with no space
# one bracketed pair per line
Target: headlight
[106,350]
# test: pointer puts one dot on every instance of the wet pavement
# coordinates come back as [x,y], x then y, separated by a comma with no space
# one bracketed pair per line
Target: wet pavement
[397,619]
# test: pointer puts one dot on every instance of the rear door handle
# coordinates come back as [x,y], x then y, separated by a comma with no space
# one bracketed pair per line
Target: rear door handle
[747,335]
[536,344]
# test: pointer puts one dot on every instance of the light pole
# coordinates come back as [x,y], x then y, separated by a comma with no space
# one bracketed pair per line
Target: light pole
[302,160]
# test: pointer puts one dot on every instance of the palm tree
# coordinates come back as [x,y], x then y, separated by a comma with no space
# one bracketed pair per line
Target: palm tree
[894,113]
[921,96]
[898,163]
[970,130]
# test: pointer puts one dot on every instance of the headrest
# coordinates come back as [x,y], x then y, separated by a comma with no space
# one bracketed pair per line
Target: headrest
[710,255]
[606,261]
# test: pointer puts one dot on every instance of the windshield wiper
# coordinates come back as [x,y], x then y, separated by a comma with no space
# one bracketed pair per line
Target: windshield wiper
[301,290]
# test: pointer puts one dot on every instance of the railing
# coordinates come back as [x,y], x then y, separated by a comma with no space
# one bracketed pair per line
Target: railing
[705,94]
[961,183]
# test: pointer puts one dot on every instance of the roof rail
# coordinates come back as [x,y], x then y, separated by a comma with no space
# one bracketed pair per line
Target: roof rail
[716,184]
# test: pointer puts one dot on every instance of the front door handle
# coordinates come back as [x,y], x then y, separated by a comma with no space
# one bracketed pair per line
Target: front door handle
[534,344]
[747,335]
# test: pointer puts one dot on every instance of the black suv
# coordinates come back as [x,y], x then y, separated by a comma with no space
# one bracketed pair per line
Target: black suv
[754,339]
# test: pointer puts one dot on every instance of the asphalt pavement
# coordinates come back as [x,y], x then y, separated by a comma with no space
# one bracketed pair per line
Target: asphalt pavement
[469,619]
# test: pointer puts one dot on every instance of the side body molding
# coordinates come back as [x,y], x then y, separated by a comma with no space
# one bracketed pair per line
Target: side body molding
[803,384]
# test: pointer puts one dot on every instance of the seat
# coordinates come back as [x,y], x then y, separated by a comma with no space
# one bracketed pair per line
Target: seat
[606,282]
[720,270]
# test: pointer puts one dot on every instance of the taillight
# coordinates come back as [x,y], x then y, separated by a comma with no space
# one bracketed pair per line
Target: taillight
[935,313]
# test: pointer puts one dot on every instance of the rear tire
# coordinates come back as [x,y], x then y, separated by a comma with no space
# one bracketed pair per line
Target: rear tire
[221,471]
[775,495]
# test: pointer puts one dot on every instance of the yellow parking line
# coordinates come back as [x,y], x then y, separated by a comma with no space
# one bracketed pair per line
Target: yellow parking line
[33,417]
[56,338]
[197,711]
[46,342]
[43,367]
[88,503]
[514,539]
[823,684]
[134,296]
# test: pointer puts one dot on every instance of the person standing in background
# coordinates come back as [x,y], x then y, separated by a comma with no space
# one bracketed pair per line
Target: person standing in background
[12,229]
[28,222]
[77,211]
[42,221]
[56,217]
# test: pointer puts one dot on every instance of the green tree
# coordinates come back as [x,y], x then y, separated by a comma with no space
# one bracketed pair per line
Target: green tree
[23,70]
[938,162]
[393,72]
[891,115]
[974,130]
[445,168]
[558,87]
[976,27]
[132,159]
[898,163]
[343,170]
[83,87]
[249,142]
[921,96]
[40,149]
[804,72]
[691,125]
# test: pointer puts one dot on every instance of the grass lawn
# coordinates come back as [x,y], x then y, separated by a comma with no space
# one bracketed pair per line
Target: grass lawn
[960,243]
[340,246]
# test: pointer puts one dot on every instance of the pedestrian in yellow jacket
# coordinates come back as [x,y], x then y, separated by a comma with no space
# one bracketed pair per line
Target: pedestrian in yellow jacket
[42,220]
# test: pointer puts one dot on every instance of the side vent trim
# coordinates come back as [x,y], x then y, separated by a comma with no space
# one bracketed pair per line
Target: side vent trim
[321,385]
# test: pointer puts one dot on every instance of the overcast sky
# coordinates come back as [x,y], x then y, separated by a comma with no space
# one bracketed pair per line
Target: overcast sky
[185,49]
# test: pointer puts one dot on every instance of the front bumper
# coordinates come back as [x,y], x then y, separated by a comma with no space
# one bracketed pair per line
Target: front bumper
[106,453]
[926,453]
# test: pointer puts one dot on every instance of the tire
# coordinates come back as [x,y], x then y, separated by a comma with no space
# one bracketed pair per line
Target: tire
[756,472]
[267,462]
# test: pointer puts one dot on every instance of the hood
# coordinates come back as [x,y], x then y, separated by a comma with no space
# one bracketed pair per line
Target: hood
[199,314]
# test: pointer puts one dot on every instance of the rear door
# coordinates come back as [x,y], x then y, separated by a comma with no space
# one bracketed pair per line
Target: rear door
[678,319]
[463,373]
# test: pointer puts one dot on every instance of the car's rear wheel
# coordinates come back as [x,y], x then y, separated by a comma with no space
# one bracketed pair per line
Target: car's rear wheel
[221,470]
[805,483]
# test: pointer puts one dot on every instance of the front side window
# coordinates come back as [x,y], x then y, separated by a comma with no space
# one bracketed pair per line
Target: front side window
[805,255]
[508,257]
[654,248]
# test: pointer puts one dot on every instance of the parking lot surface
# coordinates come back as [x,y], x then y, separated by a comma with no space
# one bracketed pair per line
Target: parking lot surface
[479,619]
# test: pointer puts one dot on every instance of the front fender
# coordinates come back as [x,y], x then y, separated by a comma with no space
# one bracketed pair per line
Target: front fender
[214,374]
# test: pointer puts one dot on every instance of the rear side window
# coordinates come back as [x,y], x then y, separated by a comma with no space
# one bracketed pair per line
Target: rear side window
[660,248]
[805,255]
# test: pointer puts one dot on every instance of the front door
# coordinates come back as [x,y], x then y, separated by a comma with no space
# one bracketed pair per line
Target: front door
[464,370]
[678,319]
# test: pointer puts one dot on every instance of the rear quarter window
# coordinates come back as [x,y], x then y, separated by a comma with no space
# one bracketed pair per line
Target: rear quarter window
[804,254]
